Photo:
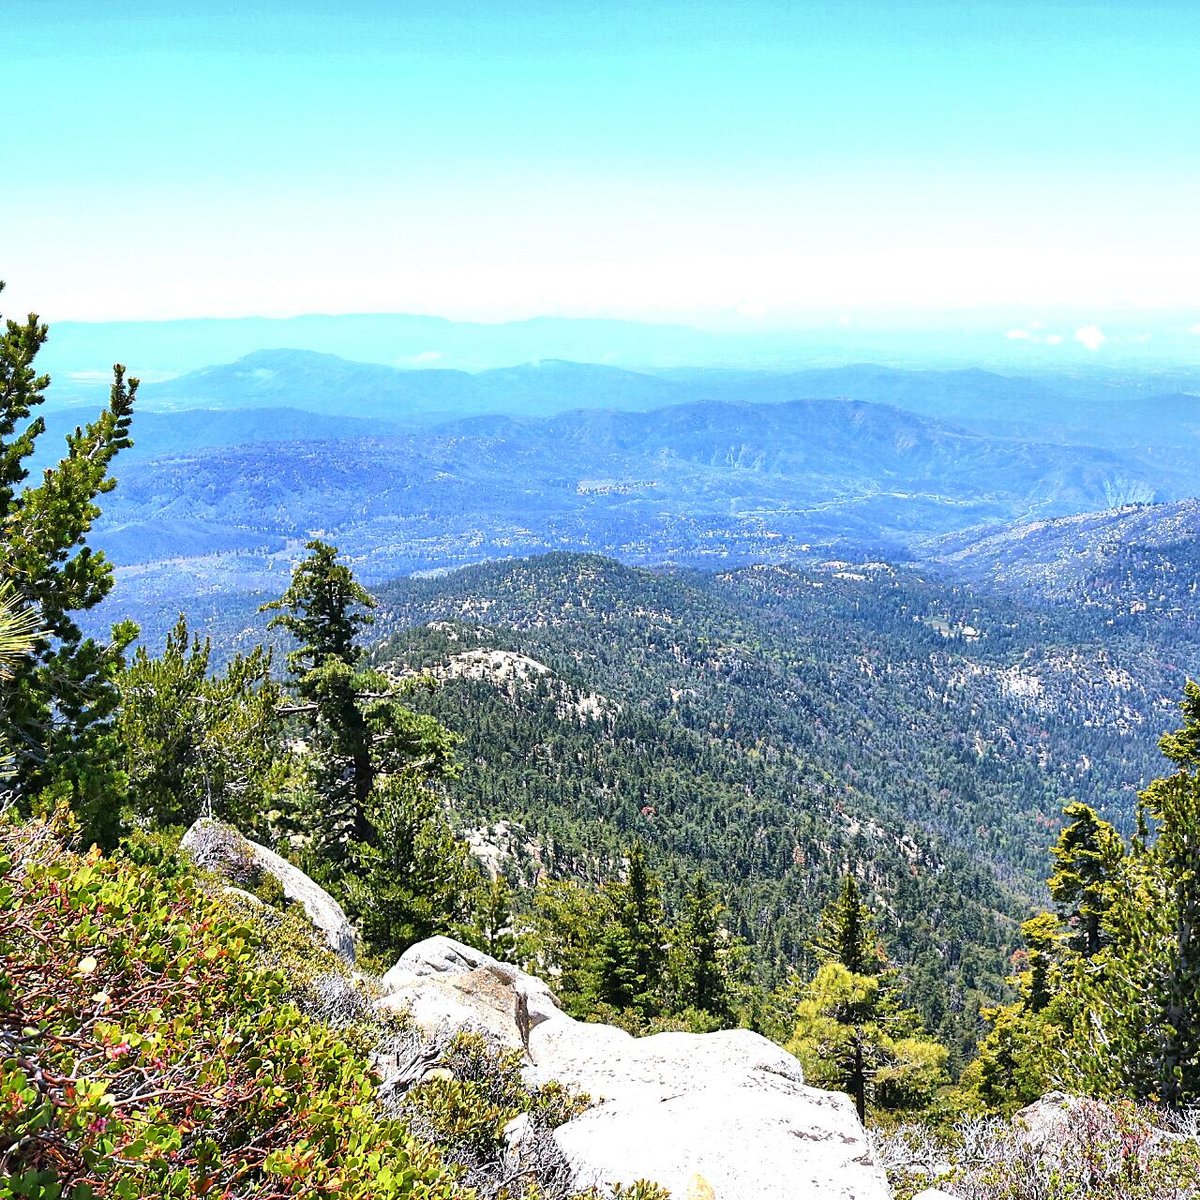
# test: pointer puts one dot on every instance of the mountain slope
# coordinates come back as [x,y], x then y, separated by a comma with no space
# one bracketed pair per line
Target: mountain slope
[1129,562]
[774,725]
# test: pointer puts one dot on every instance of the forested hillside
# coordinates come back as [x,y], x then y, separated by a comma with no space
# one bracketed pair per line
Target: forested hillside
[777,726]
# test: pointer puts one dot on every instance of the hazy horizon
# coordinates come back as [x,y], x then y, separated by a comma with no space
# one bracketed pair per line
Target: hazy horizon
[748,167]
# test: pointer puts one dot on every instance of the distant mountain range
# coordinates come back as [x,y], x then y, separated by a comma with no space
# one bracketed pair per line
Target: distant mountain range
[236,465]
[1059,409]
[695,483]
[79,355]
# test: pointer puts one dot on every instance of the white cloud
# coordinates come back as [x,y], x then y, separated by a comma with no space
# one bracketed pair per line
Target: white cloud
[1195,329]
[1091,336]
[1019,335]
[1053,339]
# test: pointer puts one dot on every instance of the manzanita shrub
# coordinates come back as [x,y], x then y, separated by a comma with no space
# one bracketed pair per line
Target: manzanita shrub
[146,1052]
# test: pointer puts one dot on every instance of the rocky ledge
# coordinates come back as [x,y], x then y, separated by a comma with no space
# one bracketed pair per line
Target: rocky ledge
[714,1116]
[724,1115]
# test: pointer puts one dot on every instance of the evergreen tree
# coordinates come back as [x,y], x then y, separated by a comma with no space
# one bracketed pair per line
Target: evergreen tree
[199,744]
[56,712]
[413,878]
[851,1034]
[18,637]
[358,729]
[846,932]
[1173,925]
[851,1031]
[698,976]
[1086,859]
[493,929]
[631,954]
[1117,1010]
[567,920]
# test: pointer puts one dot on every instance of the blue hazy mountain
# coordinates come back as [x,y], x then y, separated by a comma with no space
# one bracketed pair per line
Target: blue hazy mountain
[79,355]
[327,384]
[1059,409]
[701,483]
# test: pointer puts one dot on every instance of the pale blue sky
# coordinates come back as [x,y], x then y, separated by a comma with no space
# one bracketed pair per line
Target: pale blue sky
[762,162]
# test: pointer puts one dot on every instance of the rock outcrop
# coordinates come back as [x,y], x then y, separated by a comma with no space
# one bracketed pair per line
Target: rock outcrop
[441,982]
[217,847]
[723,1114]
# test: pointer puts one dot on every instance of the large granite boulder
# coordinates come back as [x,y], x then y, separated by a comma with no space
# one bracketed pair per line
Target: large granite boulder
[217,847]
[442,983]
[724,1115]
[728,1111]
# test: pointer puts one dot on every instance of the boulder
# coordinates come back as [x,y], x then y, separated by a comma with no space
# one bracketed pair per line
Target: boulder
[726,1111]
[214,846]
[1059,1124]
[441,982]
[717,1115]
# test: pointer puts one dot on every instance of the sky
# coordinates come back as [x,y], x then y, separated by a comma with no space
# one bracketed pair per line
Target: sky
[725,164]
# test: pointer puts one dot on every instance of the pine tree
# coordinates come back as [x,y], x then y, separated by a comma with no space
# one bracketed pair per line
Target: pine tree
[358,729]
[1086,860]
[851,1031]
[1173,802]
[413,878]
[631,955]
[18,637]
[1118,1013]
[199,744]
[698,975]
[56,712]
[846,932]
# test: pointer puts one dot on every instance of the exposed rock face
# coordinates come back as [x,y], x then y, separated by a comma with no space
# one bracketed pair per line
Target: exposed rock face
[441,982]
[725,1115]
[218,847]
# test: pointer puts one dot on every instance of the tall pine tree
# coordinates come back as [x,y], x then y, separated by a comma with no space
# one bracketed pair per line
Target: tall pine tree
[56,712]
[358,730]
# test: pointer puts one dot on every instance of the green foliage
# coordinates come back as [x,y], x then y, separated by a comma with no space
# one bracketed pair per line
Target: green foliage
[18,637]
[56,712]
[846,933]
[698,962]
[630,951]
[1112,1010]
[493,922]
[1086,860]
[851,1031]
[852,1036]
[198,744]
[356,727]
[146,1053]
[730,734]
[640,1189]
[474,1092]
[412,877]
[613,955]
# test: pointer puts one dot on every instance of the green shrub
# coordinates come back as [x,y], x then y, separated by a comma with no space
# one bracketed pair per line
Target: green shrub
[146,1052]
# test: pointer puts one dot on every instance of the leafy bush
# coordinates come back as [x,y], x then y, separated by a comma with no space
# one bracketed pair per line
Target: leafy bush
[144,1051]
[472,1095]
